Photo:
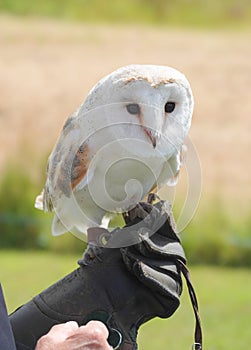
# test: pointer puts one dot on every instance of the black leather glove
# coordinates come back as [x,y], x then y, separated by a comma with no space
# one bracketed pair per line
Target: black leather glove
[158,260]
[122,287]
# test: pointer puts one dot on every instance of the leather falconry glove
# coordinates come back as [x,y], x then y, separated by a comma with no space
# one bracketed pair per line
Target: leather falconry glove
[121,285]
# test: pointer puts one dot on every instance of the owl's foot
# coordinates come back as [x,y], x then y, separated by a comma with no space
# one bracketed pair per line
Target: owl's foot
[152,197]
[141,210]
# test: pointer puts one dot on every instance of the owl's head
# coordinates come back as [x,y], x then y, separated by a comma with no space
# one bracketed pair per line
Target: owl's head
[156,99]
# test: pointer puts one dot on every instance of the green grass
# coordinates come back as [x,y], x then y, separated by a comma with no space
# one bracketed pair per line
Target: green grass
[223,293]
[23,274]
[193,13]
[224,300]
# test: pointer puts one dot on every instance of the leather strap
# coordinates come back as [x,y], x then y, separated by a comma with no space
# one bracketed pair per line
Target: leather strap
[198,330]
[126,346]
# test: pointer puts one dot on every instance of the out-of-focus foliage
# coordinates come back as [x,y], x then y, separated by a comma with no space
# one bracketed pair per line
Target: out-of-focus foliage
[19,222]
[23,226]
[217,237]
[213,236]
[194,13]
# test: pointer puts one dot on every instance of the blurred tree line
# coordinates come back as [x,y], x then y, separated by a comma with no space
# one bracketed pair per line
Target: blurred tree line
[212,237]
[194,13]
[22,226]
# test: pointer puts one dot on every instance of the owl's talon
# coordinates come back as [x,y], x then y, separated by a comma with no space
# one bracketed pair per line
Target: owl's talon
[152,197]
[126,218]
[141,211]
[146,207]
[130,215]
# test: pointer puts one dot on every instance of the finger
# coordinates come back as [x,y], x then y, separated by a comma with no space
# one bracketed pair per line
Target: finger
[63,330]
[98,327]
[93,335]
[56,337]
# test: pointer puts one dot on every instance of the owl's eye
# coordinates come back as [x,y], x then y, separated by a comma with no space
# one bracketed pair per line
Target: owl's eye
[169,107]
[133,108]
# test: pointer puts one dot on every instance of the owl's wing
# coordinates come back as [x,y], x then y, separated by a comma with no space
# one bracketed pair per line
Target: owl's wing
[63,180]
[170,172]
[67,172]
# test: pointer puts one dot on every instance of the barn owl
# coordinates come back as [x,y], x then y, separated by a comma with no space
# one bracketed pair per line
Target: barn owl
[124,141]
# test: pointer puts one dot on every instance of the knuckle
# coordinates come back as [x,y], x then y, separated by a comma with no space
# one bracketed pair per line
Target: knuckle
[43,342]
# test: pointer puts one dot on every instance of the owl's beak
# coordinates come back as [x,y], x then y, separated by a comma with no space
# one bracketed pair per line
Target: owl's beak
[150,135]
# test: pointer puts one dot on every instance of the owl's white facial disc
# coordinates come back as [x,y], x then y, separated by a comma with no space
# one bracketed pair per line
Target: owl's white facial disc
[156,99]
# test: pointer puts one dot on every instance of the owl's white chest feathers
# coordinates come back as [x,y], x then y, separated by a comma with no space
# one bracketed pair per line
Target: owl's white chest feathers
[121,173]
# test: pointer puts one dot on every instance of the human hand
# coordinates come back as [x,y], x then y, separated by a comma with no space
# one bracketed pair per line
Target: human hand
[69,336]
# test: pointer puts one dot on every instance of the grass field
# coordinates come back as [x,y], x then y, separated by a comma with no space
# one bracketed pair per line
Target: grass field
[224,299]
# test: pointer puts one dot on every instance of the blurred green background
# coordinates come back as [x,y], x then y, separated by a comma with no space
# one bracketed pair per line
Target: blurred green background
[51,54]
[194,13]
